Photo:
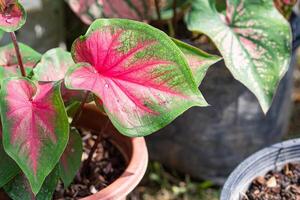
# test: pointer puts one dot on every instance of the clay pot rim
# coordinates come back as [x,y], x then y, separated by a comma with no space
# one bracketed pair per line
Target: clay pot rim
[130,178]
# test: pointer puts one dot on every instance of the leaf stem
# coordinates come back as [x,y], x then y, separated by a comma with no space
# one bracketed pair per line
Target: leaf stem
[174,19]
[18,53]
[157,9]
[94,148]
[79,110]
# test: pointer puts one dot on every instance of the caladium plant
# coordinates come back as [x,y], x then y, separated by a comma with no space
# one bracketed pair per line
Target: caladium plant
[136,74]
[241,30]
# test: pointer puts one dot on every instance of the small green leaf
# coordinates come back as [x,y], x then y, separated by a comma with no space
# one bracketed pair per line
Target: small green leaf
[8,167]
[53,66]
[70,161]
[19,188]
[12,15]
[254,39]
[198,60]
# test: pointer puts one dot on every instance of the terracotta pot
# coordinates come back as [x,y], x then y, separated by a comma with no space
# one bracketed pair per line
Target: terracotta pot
[134,151]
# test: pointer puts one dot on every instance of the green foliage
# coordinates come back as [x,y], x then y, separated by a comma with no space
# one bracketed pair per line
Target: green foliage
[71,159]
[19,188]
[8,168]
[255,54]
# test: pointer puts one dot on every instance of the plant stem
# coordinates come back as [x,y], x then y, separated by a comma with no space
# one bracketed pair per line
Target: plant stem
[79,110]
[174,19]
[157,9]
[94,148]
[18,53]
[171,29]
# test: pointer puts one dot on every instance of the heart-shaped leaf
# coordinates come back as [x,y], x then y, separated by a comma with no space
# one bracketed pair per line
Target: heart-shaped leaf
[9,62]
[198,60]
[8,168]
[71,159]
[53,66]
[35,126]
[256,54]
[19,188]
[90,10]
[139,74]
[12,15]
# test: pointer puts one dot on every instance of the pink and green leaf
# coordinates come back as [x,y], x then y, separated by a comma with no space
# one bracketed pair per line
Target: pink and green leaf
[35,126]
[53,66]
[9,63]
[90,10]
[70,161]
[8,168]
[140,75]
[255,54]
[12,15]
[198,60]
[19,188]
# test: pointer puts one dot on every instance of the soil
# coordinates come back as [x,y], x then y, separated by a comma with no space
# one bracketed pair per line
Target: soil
[107,165]
[276,185]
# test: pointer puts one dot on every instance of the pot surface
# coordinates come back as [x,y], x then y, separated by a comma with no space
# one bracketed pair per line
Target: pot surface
[134,151]
[208,143]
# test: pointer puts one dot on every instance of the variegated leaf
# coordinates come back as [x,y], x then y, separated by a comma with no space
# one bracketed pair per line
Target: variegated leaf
[9,63]
[70,161]
[35,126]
[90,10]
[12,15]
[139,74]
[254,39]
[53,66]
[198,60]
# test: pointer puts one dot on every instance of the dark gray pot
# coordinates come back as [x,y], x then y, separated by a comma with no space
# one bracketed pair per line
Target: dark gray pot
[208,143]
[270,158]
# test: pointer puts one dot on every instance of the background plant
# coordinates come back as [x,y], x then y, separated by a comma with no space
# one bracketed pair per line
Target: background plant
[136,73]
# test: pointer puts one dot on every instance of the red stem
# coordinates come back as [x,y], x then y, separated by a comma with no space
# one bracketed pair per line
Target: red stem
[79,110]
[18,53]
